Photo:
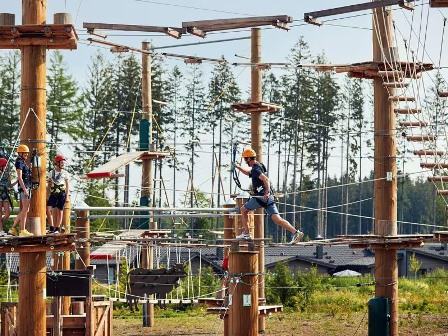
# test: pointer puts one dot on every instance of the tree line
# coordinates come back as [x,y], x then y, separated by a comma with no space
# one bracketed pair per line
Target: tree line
[324,122]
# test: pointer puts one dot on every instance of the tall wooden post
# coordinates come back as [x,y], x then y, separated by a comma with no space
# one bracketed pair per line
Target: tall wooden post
[32,280]
[82,231]
[229,233]
[146,143]
[385,186]
[65,262]
[243,311]
[256,140]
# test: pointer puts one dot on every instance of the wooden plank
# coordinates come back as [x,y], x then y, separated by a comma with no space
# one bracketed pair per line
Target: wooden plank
[237,22]
[413,123]
[171,31]
[430,165]
[424,152]
[438,179]
[438,3]
[407,110]
[401,99]
[351,8]
[395,85]
[37,248]
[419,138]
[100,326]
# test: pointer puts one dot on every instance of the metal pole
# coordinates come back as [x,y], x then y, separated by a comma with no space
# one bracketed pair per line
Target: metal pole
[385,185]
[256,138]
[151,209]
[146,143]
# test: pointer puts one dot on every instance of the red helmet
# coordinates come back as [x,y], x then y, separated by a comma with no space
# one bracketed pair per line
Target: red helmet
[3,162]
[59,158]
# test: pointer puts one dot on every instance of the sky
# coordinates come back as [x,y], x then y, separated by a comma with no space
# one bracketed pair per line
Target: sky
[343,39]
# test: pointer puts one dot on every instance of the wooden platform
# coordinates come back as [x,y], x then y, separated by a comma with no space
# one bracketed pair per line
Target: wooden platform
[371,70]
[434,165]
[413,123]
[407,110]
[429,152]
[52,36]
[438,3]
[262,310]
[441,236]
[256,107]
[59,242]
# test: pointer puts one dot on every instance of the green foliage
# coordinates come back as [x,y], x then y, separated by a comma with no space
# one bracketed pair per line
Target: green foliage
[414,264]
[9,97]
[63,101]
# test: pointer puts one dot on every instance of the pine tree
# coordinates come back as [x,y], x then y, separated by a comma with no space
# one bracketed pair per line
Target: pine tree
[9,97]
[223,91]
[298,91]
[174,96]
[64,101]
[353,116]
[192,120]
[98,115]
[323,120]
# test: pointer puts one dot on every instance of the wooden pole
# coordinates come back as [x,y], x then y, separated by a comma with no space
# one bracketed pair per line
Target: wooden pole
[243,312]
[256,139]
[385,185]
[146,143]
[32,278]
[229,233]
[82,231]
[65,262]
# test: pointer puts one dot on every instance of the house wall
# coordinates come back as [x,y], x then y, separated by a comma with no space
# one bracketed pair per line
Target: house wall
[302,266]
[428,264]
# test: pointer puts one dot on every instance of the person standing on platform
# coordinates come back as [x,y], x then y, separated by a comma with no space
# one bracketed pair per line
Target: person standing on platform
[58,182]
[24,180]
[261,197]
[5,198]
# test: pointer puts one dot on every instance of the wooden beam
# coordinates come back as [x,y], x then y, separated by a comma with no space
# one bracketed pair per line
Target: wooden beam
[413,123]
[170,31]
[425,152]
[438,179]
[434,165]
[407,110]
[418,138]
[199,28]
[312,16]
[121,48]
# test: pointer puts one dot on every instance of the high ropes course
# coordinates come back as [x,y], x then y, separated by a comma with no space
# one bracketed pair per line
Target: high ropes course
[153,257]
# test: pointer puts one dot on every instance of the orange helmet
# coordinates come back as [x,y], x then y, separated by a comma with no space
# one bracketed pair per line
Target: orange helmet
[23,149]
[248,153]
[3,162]
[59,158]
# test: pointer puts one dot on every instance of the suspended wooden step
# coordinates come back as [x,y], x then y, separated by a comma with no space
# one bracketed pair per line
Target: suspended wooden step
[256,107]
[438,3]
[391,73]
[401,98]
[438,179]
[407,110]
[443,94]
[421,152]
[442,192]
[395,85]
[413,123]
[432,165]
[421,137]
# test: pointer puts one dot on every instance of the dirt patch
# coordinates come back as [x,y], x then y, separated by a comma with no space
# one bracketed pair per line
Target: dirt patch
[285,324]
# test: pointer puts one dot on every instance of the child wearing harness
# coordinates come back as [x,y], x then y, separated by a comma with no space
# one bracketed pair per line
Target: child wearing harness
[24,179]
[58,181]
[261,197]
[5,199]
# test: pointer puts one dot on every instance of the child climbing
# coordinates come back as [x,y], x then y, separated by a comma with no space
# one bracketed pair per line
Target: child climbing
[5,198]
[58,182]
[24,180]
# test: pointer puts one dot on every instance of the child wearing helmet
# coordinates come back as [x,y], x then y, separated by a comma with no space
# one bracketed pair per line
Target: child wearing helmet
[58,182]
[24,180]
[5,198]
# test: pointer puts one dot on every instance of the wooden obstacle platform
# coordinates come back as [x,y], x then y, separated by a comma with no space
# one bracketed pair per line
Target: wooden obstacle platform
[35,244]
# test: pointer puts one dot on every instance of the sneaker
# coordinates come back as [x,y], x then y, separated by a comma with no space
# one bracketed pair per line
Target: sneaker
[3,233]
[50,230]
[296,237]
[13,231]
[56,230]
[25,233]
[243,236]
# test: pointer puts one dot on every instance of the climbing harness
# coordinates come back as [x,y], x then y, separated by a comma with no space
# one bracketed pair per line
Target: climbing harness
[35,164]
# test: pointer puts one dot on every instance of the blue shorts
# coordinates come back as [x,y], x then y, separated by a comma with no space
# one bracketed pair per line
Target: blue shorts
[22,194]
[256,203]
[57,200]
